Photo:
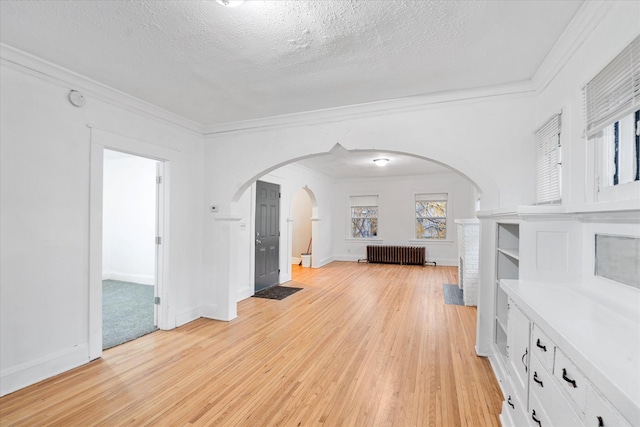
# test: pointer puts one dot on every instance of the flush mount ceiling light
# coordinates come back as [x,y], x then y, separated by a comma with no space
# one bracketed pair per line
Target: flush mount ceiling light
[381,162]
[230,3]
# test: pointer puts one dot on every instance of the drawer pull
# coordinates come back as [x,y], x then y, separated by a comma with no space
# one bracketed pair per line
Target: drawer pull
[567,379]
[600,422]
[512,405]
[535,378]
[533,417]
[539,345]
[526,351]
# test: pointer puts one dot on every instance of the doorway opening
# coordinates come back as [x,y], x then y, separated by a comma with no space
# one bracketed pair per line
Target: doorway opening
[301,236]
[131,196]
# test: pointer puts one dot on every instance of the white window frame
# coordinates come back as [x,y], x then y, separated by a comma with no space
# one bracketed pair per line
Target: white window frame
[366,200]
[610,97]
[431,197]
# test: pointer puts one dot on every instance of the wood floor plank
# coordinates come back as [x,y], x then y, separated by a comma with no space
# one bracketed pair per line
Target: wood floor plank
[360,345]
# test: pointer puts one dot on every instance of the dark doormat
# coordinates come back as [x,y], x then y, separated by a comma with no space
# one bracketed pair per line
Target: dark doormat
[276,292]
[452,295]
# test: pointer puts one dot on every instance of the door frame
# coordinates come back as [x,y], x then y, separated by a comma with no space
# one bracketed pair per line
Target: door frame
[101,140]
[279,225]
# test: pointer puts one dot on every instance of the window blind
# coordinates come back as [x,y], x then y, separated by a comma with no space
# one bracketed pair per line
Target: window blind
[615,91]
[432,197]
[364,201]
[548,162]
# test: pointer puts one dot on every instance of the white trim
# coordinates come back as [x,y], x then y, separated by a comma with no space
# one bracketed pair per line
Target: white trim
[583,23]
[28,373]
[449,262]
[142,279]
[322,262]
[245,293]
[189,315]
[391,106]
[40,68]
[427,242]
[211,311]
[354,258]
[95,250]
[349,257]
[100,140]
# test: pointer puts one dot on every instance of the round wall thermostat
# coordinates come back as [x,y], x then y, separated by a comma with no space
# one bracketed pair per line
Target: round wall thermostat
[77,99]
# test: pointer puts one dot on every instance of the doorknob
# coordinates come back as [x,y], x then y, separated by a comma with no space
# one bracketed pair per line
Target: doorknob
[258,242]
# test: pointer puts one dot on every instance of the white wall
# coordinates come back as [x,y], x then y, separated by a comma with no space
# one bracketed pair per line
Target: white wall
[291,179]
[620,25]
[129,220]
[45,148]
[301,212]
[396,220]
[560,247]
[614,32]
[45,185]
[488,139]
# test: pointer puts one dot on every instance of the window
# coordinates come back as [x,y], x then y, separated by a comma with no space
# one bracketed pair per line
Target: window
[612,104]
[431,216]
[548,162]
[619,145]
[364,217]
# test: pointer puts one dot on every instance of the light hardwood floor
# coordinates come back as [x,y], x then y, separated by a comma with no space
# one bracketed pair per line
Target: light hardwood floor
[360,345]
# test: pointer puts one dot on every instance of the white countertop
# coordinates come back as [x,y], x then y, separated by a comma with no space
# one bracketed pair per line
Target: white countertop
[602,341]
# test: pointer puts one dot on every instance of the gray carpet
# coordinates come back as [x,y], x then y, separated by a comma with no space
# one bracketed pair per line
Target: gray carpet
[452,295]
[127,312]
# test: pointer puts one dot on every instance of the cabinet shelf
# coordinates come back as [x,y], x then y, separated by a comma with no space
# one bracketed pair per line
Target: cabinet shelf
[507,267]
[513,253]
[501,341]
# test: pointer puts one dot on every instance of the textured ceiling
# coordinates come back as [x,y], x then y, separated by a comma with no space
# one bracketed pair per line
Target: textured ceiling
[344,164]
[213,65]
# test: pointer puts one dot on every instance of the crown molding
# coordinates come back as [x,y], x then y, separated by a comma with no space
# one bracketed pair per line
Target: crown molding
[25,62]
[583,23]
[391,106]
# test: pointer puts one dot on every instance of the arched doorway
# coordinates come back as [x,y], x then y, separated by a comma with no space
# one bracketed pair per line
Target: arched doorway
[301,234]
[228,224]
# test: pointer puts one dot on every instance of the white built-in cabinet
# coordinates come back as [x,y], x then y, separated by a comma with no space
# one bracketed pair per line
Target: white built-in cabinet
[507,267]
[544,386]
[518,350]
[565,354]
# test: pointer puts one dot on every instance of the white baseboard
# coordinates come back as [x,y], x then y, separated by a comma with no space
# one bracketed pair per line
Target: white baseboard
[143,279]
[245,293]
[323,262]
[188,315]
[31,372]
[296,260]
[215,312]
[450,262]
[349,257]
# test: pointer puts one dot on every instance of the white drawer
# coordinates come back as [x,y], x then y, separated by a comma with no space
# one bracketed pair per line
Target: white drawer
[537,415]
[600,413]
[558,411]
[514,411]
[543,348]
[571,380]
